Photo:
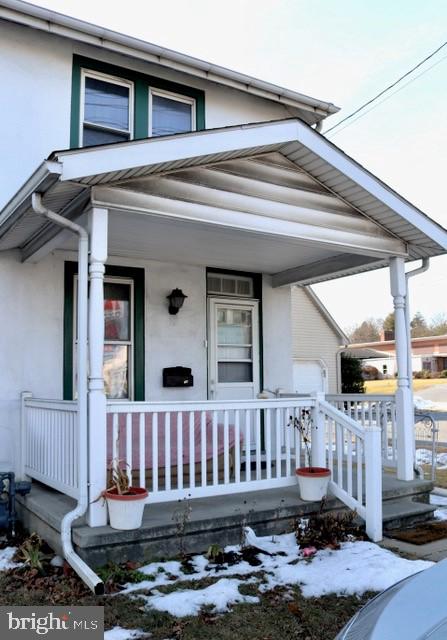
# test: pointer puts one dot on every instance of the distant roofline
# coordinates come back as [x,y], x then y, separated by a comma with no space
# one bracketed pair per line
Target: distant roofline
[357,345]
[68,27]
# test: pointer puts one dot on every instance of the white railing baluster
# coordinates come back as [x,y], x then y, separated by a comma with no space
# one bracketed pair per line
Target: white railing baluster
[203,465]
[115,451]
[237,447]
[167,451]
[247,447]
[278,442]
[155,452]
[179,450]
[129,447]
[268,442]
[359,455]
[258,443]
[349,464]
[287,440]
[215,451]
[142,449]
[330,430]
[192,452]
[226,448]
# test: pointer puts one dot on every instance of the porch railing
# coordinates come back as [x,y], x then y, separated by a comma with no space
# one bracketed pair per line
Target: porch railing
[353,454]
[49,450]
[195,449]
[372,411]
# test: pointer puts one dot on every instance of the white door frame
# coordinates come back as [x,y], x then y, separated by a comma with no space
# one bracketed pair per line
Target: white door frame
[242,303]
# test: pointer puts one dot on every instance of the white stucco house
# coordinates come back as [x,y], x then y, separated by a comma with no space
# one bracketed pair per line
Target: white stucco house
[130,172]
[317,344]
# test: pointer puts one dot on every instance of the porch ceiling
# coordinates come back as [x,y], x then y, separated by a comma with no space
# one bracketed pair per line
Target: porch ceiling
[307,211]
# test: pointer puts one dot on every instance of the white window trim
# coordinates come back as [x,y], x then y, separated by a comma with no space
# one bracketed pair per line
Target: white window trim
[172,96]
[129,343]
[86,73]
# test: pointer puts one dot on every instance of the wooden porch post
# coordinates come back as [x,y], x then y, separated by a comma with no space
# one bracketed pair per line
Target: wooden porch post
[404,395]
[97,409]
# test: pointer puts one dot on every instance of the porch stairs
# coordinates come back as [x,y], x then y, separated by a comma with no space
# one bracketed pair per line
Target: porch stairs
[212,520]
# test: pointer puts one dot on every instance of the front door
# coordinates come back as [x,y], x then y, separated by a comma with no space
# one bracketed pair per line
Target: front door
[233,349]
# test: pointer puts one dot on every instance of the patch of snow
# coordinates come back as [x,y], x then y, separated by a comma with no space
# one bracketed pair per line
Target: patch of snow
[424,456]
[188,602]
[440,514]
[118,633]
[428,405]
[353,569]
[57,561]
[439,500]
[6,556]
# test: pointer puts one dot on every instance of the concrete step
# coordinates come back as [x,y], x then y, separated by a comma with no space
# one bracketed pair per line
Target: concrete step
[416,489]
[403,513]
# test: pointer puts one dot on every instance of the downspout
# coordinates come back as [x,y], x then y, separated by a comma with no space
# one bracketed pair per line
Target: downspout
[82,569]
[410,274]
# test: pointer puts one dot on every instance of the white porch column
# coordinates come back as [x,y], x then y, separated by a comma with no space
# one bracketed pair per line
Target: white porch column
[97,436]
[404,395]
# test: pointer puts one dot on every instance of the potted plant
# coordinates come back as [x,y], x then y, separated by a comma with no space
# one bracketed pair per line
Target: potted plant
[312,481]
[125,503]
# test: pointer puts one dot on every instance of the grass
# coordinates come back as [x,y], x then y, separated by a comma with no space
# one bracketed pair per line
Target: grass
[389,386]
[281,613]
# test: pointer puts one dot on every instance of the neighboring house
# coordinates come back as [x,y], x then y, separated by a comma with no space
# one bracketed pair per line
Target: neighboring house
[131,173]
[427,354]
[317,343]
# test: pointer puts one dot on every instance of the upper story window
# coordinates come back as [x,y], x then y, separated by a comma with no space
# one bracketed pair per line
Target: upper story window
[170,113]
[106,109]
[114,104]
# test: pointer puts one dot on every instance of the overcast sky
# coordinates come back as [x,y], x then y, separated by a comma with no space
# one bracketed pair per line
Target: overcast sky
[344,51]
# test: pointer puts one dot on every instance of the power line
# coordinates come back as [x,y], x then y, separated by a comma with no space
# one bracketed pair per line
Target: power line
[368,102]
[388,97]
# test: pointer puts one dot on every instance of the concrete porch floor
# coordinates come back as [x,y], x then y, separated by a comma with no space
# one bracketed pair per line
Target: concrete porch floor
[211,520]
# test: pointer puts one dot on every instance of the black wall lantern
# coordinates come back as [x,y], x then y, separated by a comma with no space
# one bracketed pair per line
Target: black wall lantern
[176,299]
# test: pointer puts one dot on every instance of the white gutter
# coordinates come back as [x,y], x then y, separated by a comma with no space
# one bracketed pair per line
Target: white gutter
[82,569]
[410,274]
[81,31]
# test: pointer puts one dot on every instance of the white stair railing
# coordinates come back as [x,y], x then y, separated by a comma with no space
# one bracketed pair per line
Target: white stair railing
[372,410]
[353,454]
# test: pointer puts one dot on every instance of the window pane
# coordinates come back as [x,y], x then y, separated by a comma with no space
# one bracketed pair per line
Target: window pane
[117,311]
[96,136]
[234,353]
[235,372]
[115,371]
[234,326]
[170,116]
[106,103]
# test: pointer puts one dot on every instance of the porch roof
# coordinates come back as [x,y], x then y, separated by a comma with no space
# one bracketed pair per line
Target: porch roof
[250,162]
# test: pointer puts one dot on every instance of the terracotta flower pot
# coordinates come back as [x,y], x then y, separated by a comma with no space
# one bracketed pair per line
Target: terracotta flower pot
[313,482]
[126,511]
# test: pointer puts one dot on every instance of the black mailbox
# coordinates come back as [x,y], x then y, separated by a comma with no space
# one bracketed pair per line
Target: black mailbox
[177,377]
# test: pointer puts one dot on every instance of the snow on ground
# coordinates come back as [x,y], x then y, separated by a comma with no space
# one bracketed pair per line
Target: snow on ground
[355,568]
[424,456]
[440,514]
[438,500]
[118,633]
[428,405]
[6,556]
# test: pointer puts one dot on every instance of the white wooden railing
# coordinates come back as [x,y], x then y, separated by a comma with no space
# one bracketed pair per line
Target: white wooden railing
[49,443]
[371,410]
[353,454]
[194,449]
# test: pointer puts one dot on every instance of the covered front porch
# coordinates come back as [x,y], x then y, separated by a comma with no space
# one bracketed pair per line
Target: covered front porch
[275,199]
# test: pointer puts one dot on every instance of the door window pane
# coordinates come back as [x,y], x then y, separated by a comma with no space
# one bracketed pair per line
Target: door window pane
[106,104]
[234,353]
[170,116]
[234,326]
[117,311]
[115,371]
[235,372]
